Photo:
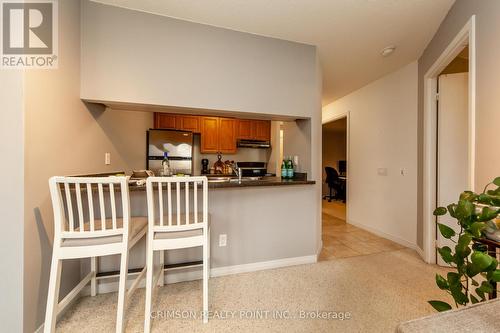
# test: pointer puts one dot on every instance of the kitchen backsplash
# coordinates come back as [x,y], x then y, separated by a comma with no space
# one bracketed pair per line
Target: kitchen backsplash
[243,154]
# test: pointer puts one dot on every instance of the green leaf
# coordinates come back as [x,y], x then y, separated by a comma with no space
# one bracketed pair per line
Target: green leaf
[481,260]
[458,295]
[496,181]
[476,228]
[495,276]
[473,299]
[440,211]
[472,270]
[440,306]
[485,287]
[468,195]
[493,266]
[480,293]
[462,247]
[446,231]
[484,199]
[441,282]
[487,214]
[453,278]
[451,209]
[445,253]
[464,209]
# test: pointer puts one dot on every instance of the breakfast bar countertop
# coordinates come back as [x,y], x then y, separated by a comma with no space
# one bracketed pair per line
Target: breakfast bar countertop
[233,182]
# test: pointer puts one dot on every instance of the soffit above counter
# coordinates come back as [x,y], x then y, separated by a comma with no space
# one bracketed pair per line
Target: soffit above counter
[140,107]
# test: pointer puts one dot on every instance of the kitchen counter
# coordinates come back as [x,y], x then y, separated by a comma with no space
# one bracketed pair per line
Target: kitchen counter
[283,221]
[233,182]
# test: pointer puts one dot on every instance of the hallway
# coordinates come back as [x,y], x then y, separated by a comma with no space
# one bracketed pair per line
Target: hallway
[342,240]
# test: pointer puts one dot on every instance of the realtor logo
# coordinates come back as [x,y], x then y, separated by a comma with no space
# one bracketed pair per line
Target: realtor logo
[29,34]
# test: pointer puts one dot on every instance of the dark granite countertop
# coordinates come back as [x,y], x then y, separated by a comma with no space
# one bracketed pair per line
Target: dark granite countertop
[265,181]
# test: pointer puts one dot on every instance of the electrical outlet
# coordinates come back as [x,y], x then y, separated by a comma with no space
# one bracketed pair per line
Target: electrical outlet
[107,158]
[382,171]
[222,240]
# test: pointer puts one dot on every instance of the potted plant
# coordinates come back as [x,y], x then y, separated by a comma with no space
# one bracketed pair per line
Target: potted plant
[474,270]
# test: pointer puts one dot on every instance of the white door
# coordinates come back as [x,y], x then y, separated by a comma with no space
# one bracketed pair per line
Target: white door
[452,147]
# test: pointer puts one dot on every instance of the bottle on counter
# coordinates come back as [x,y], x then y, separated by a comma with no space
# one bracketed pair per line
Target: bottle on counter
[283,169]
[289,169]
[165,164]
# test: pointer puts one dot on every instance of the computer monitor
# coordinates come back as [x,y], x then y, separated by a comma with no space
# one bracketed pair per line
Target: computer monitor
[342,167]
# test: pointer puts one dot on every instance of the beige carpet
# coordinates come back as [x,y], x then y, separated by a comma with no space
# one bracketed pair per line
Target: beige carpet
[379,290]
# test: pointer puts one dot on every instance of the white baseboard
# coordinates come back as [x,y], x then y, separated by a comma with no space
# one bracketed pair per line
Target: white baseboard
[40,329]
[318,252]
[420,252]
[263,265]
[393,238]
[195,273]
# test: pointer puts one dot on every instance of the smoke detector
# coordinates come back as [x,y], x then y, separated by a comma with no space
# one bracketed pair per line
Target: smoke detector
[387,51]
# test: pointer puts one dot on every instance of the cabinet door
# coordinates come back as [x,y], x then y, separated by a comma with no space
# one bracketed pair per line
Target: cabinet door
[165,121]
[244,129]
[188,123]
[209,134]
[227,135]
[263,130]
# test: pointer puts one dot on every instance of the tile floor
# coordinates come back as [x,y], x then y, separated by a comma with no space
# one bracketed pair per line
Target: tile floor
[342,240]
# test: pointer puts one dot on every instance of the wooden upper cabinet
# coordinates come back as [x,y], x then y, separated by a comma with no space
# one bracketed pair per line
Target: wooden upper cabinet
[209,134]
[253,129]
[165,120]
[227,135]
[188,123]
[262,130]
[245,129]
[217,134]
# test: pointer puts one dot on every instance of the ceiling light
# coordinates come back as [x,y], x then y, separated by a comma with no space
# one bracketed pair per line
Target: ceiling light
[387,51]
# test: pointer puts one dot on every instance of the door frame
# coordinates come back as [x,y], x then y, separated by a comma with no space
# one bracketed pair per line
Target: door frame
[337,116]
[466,36]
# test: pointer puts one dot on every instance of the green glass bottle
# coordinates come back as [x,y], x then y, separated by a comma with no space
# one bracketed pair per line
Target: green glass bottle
[283,169]
[289,169]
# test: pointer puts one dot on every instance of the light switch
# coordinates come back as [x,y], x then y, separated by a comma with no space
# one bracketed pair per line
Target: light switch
[107,158]
[222,240]
[382,171]
[402,172]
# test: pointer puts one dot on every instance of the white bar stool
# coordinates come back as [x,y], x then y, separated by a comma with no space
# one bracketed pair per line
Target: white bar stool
[178,228]
[91,238]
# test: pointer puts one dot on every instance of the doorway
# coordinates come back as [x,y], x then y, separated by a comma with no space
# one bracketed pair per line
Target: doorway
[452,141]
[341,239]
[449,121]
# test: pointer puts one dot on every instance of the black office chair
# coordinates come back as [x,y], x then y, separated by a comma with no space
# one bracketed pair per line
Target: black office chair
[335,185]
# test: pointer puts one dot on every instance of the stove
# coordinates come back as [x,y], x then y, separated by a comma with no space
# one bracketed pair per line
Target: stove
[252,169]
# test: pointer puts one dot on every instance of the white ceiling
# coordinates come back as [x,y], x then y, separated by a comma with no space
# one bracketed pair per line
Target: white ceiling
[349,34]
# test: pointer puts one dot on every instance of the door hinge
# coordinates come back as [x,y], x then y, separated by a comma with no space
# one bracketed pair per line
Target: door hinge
[437,96]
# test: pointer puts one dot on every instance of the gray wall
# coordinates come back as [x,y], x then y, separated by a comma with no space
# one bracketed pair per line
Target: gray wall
[64,136]
[131,56]
[487,81]
[11,200]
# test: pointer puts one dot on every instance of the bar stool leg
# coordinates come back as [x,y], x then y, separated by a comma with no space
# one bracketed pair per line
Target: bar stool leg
[161,280]
[205,280]
[93,281]
[149,286]
[122,290]
[53,295]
